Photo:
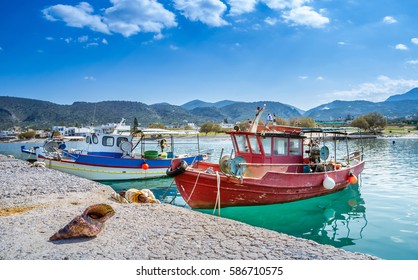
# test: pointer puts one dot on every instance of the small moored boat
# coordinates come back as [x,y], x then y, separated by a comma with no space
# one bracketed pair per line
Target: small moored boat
[114,153]
[29,153]
[272,164]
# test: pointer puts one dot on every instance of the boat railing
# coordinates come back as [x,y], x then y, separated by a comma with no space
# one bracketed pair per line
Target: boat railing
[258,170]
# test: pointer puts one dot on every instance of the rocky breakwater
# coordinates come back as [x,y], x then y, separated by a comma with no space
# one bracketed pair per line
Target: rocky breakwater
[35,202]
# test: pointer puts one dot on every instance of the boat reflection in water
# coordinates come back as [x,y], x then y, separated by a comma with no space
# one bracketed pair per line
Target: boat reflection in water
[337,219]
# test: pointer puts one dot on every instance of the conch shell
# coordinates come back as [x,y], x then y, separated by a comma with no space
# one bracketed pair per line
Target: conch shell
[140,196]
[88,224]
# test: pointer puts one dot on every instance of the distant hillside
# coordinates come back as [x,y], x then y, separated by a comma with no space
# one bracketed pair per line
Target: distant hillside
[202,104]
[342,109]
[25,112]
[410,95]
[42,114]
[246,110]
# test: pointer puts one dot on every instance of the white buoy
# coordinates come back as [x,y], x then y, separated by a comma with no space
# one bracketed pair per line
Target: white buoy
[328,183]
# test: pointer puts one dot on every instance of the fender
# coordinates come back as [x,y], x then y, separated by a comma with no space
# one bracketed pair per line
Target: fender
[176,169]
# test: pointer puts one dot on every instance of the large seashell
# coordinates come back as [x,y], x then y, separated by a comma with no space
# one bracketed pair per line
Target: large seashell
[88,224]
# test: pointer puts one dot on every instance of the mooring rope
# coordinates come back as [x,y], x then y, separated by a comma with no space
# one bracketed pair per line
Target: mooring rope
[218,194]
[195,184]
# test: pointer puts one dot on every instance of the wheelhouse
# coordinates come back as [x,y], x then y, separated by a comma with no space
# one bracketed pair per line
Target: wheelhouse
[283,145]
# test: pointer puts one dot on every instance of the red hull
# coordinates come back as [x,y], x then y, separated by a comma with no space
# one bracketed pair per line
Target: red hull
[200,189]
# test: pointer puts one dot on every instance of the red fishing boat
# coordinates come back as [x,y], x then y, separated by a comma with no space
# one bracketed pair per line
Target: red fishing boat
[270,164]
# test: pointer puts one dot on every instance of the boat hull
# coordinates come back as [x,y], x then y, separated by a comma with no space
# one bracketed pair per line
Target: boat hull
[200,189]
[101,169]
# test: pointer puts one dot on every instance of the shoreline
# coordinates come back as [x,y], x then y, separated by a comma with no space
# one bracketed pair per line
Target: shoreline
[35,202]
[224,135]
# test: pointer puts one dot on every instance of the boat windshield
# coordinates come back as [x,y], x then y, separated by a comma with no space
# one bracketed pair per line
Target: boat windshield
[295,147]
[242,143]
[280,146]
[255,148]
[266,142]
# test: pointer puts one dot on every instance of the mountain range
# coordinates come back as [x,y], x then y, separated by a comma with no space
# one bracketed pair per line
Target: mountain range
[25,112]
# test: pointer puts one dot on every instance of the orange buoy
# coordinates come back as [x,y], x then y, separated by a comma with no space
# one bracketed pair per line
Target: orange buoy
[352,179]
[145,166]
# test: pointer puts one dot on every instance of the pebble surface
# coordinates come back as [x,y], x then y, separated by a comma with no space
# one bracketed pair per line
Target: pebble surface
[35,202]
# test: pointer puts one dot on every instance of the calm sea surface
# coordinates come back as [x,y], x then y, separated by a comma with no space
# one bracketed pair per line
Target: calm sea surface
[379,216]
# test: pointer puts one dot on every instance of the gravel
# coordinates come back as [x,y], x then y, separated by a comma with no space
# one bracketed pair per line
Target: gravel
[35,202]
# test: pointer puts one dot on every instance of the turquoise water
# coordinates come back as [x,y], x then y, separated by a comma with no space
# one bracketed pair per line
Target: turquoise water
[377,216]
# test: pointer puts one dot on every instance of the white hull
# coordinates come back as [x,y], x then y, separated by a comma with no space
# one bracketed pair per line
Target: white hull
[99,173]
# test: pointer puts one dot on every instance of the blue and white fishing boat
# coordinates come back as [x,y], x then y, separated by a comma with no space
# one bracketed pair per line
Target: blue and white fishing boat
[113,152]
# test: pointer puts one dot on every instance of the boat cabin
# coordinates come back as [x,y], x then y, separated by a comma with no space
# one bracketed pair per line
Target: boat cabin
[275,145]
[112,140]
[108,144]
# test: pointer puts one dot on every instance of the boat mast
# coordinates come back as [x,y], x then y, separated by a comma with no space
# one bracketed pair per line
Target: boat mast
[254,124]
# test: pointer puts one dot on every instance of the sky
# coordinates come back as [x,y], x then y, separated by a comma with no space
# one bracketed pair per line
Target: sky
[298,52]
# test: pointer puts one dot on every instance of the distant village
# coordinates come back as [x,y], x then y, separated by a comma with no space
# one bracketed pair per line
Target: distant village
[74,133]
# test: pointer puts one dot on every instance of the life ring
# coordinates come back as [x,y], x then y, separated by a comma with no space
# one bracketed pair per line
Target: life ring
[181,168]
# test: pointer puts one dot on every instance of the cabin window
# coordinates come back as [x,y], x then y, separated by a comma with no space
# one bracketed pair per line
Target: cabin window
[95,138]
[120,140]
[280,146]
[267,145]
[88,140]
[108,141]
[255,148]
[295,147]
[242,143]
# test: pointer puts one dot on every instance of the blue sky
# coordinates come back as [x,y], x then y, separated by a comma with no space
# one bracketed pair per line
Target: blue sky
[298,52]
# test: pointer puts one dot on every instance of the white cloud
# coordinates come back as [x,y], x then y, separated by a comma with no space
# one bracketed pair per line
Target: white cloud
[89,78]
[297,12]
[76,16]
[83,39]
[401,47]
[303,77]
[414,41]
[207,11]
[320,78]
[67,40]
[104,41]
[389,20]
[239,7]
[376,91]
[342,43]
[129,17]
[305,15]
[94,44]
[284,4]
[158,36]
[49,38]
[412,61]
[270,21]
